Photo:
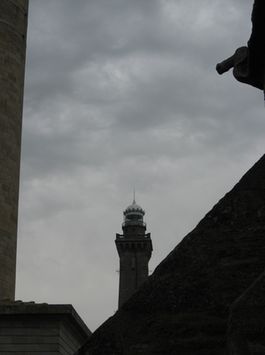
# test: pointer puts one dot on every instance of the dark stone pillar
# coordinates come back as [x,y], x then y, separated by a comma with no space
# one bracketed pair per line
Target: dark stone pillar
[13,28]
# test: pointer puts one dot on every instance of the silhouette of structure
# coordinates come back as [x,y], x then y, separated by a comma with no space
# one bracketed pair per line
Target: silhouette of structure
[205,298]
[135,248]
[208,294]
[249,61]
[13,28]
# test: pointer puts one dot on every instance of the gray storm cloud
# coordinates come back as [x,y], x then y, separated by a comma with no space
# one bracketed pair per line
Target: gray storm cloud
[122,94]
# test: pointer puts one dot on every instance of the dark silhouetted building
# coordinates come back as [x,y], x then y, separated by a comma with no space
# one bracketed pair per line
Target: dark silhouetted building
[135,248]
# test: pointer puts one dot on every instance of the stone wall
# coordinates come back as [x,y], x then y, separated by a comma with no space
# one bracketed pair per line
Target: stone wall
[133,272]
[29,328]
[13,27]
[246,327]
[185,305]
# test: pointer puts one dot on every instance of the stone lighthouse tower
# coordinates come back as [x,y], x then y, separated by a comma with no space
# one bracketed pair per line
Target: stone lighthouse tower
[13,28]
[135,248]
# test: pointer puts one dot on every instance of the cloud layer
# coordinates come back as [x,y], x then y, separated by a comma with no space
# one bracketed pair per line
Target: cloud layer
[122,94]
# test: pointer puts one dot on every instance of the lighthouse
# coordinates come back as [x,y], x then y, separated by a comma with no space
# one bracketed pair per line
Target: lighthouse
[134,247]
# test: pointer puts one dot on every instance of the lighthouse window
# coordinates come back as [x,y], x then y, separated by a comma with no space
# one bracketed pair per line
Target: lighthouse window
[134,217]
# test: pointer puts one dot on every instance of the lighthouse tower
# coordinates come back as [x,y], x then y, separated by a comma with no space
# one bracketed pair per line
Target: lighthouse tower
[134,248]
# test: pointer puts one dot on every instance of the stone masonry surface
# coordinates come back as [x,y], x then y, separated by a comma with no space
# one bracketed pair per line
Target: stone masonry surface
[13,28]
[207,293]
[30,329]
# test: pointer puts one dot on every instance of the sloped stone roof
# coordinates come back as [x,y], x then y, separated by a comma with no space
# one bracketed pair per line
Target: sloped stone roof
[184,306]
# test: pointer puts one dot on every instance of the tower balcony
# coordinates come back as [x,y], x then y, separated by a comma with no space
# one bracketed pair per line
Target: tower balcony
[133,223]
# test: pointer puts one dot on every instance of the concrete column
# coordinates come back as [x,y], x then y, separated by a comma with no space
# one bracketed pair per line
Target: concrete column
[13,28]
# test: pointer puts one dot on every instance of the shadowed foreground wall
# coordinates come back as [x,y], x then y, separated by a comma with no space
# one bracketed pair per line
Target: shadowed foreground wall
[13,28]
[184,307]
[31,329]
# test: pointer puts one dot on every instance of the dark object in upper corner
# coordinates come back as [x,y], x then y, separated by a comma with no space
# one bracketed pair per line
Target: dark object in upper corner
[249,62]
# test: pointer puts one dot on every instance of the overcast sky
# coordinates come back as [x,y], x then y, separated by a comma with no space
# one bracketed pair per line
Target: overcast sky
[122,94]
